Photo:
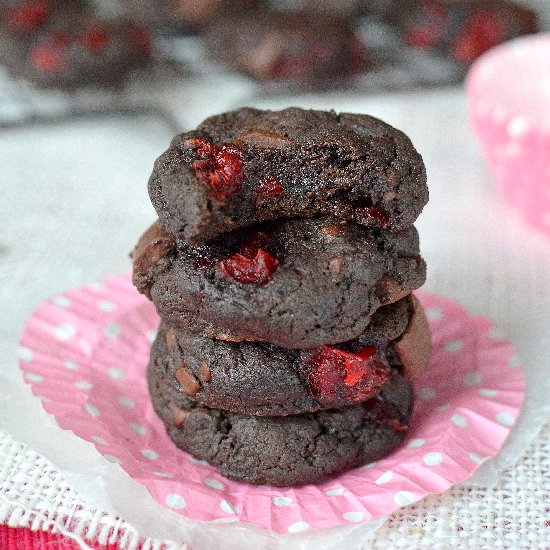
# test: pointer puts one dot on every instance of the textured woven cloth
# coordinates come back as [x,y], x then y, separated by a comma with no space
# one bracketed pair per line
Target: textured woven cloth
[513,514]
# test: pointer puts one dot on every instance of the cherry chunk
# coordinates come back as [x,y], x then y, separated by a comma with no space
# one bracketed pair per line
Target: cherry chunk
[332,373]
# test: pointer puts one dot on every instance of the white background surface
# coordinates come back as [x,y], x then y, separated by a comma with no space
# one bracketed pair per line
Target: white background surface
[73,202]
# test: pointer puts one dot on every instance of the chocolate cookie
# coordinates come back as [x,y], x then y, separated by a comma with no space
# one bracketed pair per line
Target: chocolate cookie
[70,49]
[298,283]
[267,380]
[182,15]
[463,29]
[248,166]
[284,46]
[288,450]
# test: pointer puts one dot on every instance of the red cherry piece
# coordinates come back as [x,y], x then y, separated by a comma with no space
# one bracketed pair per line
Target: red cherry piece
[256,271]
[48,57]
[95,38]
[257,241]
[29,16]
[218,167]
[141,38]
[269,187]
[482,31]
[332,372]
[429,30]
[373,215]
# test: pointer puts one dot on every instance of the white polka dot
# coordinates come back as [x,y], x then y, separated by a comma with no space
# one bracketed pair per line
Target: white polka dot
[91,409]
[126,402]
[175,501]
[100,440]
[138,428]
[370,465]
[402,498]
[164,474]
[213,483]
[496,334]
[335,492]
[148,453]
[453,346]
[151,335]
[112,331]
[83,385]
[513,362]
[478,459]
[472,379]
[71,365]
[354,517]
[459,420]
[281,501]
[416,443]
[443,408]
[384,478]
[298,527]
[116,373]
[517,126]
[106,306]
[228,508]
[61,301]
[32,377]
[434,313]
[199,462]
[427,393]
[64,332]
[505,419]
[485,392]
[25,354]
[113,459]
[433,458]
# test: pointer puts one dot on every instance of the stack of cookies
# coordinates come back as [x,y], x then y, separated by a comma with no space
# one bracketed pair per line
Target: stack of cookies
[282,266]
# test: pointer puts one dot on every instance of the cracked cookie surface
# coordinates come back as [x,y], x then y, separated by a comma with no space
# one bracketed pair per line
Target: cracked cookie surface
[289,450]
[298,283]
[247,166]
[267,380]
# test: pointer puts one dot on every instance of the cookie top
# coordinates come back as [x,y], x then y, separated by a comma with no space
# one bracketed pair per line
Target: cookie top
[71,49]
[247,166]
[283,46]
[463,29]
[267,380]
[287,450]
[298,283]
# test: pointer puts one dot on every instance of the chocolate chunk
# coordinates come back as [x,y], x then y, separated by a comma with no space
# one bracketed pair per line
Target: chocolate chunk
[187,380]
[414,347]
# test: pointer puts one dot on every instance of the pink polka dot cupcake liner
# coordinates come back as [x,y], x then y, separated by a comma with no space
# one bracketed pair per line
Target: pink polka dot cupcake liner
[85,354]
[509,98]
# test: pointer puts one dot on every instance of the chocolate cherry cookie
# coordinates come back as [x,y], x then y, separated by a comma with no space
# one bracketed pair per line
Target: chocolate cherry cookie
[287,46]
[72,49]
[286,450]
[298,283]
[248,166]
[464,30]
[267,380]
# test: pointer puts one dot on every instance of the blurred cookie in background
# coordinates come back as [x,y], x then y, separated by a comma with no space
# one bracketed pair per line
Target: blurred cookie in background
[62,44]
[463,29]
[181,15]
[287,46]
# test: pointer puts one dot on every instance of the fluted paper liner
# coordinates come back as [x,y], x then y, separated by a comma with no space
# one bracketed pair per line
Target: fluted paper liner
[85,354]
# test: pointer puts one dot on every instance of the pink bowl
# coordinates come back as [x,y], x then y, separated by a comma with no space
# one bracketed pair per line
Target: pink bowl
[509,108]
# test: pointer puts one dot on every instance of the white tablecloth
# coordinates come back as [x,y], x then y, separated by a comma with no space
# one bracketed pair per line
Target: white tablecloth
[73,203]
